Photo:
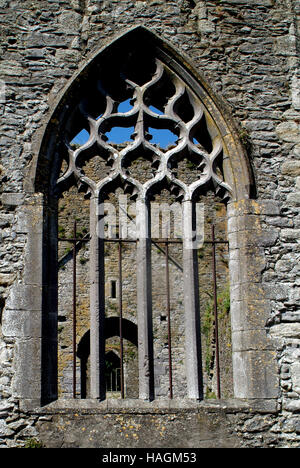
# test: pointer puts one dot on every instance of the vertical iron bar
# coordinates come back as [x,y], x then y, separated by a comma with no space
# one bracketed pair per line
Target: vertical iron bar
[121,322]
[216,310]
[169,322]
[74,310]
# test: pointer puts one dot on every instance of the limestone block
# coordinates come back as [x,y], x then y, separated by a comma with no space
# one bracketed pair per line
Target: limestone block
[288,131]
[33,265]
[291,168]
[246,340]
[296,150]
[294,199]
[278,292]
[21,324]
[290,235]
[269,207]
[266,238]
[247,265]
[12,199]
[295,374]
[258,423]
[205,26]
[255,374]
[292,405]
[5,431]
[27,377]
[70,21]
[6,279]
[30,218]
[296,92]
[243,207]
[244,223]
[285,330]
[249,314]
[24,297]
[284,266]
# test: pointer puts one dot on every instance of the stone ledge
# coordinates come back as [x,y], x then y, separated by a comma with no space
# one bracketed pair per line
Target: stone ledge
[89,406]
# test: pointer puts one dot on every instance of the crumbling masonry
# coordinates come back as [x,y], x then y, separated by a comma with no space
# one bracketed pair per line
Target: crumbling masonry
[223,78]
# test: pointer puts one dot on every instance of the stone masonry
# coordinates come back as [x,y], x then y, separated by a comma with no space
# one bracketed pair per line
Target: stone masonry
[245,55]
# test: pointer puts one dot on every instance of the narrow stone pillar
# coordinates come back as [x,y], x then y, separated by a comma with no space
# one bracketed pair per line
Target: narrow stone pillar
[193,362]
[30,313]
[255,372]
[97,300]
[144,302]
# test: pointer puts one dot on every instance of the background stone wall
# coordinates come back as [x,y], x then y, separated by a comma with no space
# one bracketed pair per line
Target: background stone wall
[73,207]
[248,52]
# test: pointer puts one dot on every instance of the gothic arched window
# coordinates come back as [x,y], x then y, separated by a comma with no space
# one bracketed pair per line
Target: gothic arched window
[135,127]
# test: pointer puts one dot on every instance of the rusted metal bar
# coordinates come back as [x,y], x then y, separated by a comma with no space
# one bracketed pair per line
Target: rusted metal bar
[156,244]
[216,310]
[121,322]
[75,241]
[169,321]
[74,310]
[120,240]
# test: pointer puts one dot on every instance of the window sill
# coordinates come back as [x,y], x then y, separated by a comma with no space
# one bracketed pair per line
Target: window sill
[89,406]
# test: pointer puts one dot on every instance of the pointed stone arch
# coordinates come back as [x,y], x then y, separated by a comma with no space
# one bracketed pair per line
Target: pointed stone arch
[237,170]
[70,115]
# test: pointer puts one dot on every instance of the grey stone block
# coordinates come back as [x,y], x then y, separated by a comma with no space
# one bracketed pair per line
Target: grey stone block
[255,374]
[21,324]
[24,297]
[251,340]
[11,200]
[27,377]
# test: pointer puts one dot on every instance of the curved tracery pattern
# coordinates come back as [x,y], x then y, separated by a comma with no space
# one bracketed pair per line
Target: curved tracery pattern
[163,103]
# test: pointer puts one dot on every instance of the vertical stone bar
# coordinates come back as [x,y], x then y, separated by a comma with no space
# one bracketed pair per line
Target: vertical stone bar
[74,308]
[121,321]
[97,300]
[144,302]
[169,321]
[50,304]
[216,333]
[191,304]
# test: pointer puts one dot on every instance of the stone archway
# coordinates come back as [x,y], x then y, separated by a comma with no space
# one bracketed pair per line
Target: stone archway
[249,358]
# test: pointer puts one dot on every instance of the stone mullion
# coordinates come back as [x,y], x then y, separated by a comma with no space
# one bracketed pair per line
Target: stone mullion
[191,306]
[144,303]
[97,302]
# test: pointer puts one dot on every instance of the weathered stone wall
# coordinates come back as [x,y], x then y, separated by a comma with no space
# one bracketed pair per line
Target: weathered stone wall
[73,207]
[248,52]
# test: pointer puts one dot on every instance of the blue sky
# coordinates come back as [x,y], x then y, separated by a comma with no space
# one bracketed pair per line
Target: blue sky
[118,135]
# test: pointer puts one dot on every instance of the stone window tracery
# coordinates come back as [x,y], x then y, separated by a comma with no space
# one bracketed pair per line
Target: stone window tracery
[145,103]
[164,103]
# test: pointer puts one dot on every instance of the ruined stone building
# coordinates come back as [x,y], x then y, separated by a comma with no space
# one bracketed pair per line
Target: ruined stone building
[149,223]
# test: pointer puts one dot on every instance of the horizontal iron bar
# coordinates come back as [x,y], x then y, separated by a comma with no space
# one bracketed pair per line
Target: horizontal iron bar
[163,241]
[74,240]
[120,240]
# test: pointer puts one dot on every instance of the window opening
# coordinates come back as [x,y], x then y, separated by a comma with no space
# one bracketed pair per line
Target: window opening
[113,373]
[113,290]
[162,138]
[125,106]
[154,136]
[120,135]
[80,139]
